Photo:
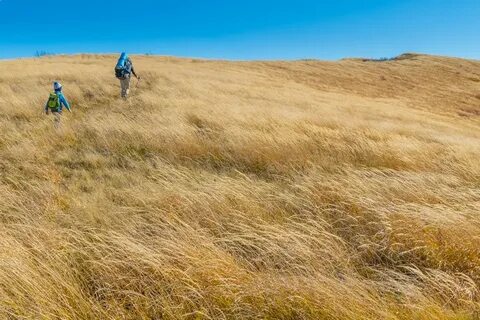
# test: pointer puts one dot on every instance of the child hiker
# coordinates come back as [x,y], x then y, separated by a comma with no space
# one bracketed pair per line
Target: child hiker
[55,104]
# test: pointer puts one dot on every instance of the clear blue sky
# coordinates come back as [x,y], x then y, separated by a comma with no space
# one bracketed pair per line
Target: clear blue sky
[246,29]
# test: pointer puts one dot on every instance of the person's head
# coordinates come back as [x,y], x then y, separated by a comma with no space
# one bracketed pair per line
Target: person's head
[57,86]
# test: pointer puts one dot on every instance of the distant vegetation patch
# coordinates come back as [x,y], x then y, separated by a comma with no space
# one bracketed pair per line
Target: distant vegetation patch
[405,56]
[43,53]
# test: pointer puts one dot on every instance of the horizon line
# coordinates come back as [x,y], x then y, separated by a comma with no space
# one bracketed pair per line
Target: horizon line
[44,54]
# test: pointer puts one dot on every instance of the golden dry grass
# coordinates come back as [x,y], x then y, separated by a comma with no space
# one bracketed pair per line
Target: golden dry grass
[246,190]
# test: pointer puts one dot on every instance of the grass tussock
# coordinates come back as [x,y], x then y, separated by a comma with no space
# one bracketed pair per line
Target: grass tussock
[286,190]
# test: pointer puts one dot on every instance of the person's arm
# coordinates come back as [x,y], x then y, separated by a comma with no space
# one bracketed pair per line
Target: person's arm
[64,101]
[133,72]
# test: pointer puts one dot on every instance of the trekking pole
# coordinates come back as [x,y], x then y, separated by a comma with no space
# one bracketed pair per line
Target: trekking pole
[138,81]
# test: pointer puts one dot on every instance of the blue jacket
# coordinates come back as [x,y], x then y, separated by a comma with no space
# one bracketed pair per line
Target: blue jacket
[63,102]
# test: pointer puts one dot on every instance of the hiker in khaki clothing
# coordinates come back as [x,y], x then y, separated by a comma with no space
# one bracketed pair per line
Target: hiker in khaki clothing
[123,72]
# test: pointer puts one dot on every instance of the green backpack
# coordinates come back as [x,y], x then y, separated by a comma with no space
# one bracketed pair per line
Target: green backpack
[53,101]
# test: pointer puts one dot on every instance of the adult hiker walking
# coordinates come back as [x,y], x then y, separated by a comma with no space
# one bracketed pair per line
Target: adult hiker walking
[123,71]
[55,104]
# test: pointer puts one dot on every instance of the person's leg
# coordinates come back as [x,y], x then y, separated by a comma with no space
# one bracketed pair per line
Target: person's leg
[125,83]
[127,86]
[124,90]
[57,119]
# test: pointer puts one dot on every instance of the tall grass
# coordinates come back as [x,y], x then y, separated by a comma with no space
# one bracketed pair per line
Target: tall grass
[301,190]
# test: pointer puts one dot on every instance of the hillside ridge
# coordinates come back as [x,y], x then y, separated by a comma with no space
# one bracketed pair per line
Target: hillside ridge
[241,190]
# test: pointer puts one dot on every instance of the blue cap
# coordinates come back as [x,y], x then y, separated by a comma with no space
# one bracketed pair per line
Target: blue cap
[57,86]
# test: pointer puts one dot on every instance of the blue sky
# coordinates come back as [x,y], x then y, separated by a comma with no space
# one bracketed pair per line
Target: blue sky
[246,29]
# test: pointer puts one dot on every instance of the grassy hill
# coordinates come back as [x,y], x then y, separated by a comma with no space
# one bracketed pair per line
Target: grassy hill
[241,190]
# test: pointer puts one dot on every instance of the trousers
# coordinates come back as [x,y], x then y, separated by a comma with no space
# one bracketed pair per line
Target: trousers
[125,84]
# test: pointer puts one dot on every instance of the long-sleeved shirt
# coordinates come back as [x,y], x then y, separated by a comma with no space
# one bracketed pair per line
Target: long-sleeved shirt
[130,67]
[63,103]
